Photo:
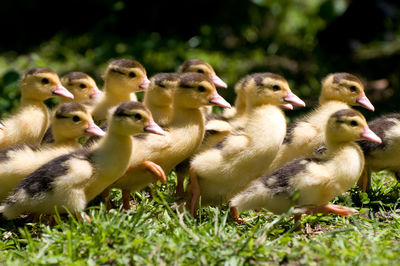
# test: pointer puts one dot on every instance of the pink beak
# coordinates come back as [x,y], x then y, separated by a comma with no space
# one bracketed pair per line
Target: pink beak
[218,100]
[61,91]
[364,102]
[96,93]
[287,106]
[145,84]
[95,130]
[293,99]
[154,128]
[2,127]
[368,134]
[217,81]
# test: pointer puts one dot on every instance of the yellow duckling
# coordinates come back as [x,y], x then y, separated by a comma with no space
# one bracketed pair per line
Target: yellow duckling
[70,122]
[202,67]
[219,173]
[184,135]
[69,182]
[310,183]
[339,91]
[385,155]
[158,98]
[82,86]
[29,123]
[122,78]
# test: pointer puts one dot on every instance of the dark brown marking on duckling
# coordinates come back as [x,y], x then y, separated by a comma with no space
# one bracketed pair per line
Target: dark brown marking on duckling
[75,75]
[127,63]
[141,136]
[37,70]
[4,153]
[187,80]
[290,130]
[125,108]
[70,107]
[161,78]
[337,77]
[347,113]
[220,145]
[41,179]
[188,63]
[48,136]
[379,126]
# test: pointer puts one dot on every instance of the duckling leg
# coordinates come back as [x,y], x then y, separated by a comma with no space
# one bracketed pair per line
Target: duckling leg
[105,195]
[156,170]
[330,208]
[364,182]
[194,182]
[181,171]
[235,215]
[126,197]
[83,217]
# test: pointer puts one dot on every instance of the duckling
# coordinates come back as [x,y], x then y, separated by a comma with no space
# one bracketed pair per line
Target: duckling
[31,120]
[82,86]
[385,155]
[158,98]
[310,183]
[122,78]
[70,181]
[185,133]
[70,122]
[222,171]
[202,67]
[339,91]
[240,102]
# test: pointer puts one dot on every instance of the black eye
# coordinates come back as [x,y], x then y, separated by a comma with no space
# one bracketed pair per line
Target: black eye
[353,88]
[82,86]
[132,74]
[201,89]
[138,116]
[76,118]
[276,87]
[353,123]
[200,71]
[45,81]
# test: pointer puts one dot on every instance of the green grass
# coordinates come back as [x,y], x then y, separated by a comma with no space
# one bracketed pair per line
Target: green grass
[155,232]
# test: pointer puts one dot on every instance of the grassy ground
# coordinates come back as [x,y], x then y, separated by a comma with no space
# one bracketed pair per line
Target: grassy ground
[154,232]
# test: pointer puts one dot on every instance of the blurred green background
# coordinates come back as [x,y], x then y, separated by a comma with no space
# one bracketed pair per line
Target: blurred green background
[303,40]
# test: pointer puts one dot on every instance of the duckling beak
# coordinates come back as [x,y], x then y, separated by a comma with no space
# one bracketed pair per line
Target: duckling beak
[287,106]
[61,91]
[293,99]
[364,102]
[93,129]
[154,128]
[218,100]
[218,81]
[96,93]
[368,134]
[145,84]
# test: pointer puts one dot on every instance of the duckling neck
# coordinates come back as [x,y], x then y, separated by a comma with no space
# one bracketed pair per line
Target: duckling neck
[113,97]
[32,102]
[162,113]
[110,159]
[266,119]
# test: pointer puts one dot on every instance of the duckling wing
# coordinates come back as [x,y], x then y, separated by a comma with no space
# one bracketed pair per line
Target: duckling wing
[233,144]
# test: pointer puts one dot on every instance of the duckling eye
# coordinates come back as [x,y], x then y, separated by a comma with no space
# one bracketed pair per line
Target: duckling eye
[132,74]
[201,89]
[276,87]
[138,116]
[353,123]
[353,88]
[82,86]
[45,81]
[200,71]
[76,118]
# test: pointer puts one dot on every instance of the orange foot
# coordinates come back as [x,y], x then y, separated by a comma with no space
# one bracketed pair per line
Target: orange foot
[156,170]
[330,208]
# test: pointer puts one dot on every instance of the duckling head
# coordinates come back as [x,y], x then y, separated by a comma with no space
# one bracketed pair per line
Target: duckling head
[72,120]
[195,90]
[349,125]
[160,92]
[268,88]
[41,83]
[82,86]
[346,88]
[132,117]
[202,67]
[124,76]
